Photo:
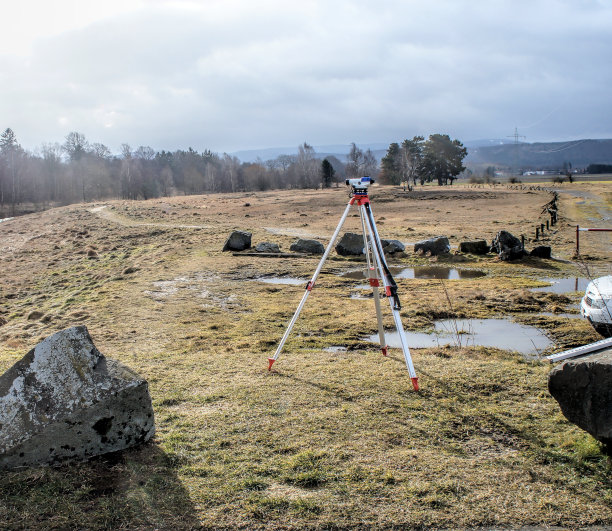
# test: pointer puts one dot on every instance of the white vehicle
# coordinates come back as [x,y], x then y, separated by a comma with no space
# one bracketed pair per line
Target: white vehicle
[596,305]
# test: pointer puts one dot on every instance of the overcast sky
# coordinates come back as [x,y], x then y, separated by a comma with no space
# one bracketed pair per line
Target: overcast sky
[239,74]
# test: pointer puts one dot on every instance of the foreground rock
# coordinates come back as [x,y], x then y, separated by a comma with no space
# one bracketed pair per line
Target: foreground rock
[238,241]
[350,244]
[474,247]
[433,246]
[507,246]
[64,400]
[583,388]
[307,246]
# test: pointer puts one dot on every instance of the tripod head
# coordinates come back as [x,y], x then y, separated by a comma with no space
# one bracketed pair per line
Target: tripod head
[360,186]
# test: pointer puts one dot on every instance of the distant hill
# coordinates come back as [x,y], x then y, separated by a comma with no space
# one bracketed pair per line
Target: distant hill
[542,155]
[481,153]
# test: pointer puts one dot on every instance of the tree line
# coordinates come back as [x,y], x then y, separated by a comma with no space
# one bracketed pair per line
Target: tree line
[79,171]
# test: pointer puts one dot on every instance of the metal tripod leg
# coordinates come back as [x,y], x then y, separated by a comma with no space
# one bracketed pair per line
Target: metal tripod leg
[373,279]
[310,285]
[379,259]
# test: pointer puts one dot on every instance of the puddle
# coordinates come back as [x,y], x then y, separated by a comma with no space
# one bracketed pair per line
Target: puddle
[424,272]
[499,333]
[291,281]
[5,219]
[563,285]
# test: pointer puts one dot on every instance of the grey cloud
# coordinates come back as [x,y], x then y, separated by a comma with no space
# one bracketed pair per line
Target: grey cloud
[264,74]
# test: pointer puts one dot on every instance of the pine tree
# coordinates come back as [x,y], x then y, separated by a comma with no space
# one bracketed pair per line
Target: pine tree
[327,173]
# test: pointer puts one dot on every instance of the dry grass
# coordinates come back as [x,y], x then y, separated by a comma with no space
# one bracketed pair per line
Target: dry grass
[328,439]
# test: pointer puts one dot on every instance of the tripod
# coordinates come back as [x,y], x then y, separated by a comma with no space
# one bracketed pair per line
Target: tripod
[377,270]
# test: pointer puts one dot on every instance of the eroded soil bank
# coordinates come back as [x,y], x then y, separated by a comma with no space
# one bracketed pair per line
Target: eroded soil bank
[333,436]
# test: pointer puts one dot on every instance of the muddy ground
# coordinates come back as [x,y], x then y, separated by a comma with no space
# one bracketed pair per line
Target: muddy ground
[330,437]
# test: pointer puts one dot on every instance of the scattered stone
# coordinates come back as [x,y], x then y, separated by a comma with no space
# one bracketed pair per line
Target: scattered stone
[129,270]
[474,247]
[583,388]
[65,401]
[238,241]
[392,246]
[350,244]
[35,315]
[542,251]
[434,246]
[267,247]
[92,255]
[507,246]
[307,246]
[247,204]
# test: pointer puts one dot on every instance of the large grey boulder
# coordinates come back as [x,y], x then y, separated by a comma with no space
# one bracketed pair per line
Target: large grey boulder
[64,401]
[583,388]
[474,247]
[507,246]
[350,244]
[434,246]
[392,246]
[307,246]
[238,241]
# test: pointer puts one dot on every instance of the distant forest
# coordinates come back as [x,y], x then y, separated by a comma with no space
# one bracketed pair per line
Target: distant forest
[78,170]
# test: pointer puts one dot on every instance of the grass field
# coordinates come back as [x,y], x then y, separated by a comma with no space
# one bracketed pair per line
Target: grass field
[329,438]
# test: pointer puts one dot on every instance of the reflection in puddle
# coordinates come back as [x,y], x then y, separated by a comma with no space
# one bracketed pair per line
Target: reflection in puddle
[563,285]
[426,272]
[499,333]
[291,281]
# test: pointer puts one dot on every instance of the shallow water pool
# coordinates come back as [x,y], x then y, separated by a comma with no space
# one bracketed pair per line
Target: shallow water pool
[500,333]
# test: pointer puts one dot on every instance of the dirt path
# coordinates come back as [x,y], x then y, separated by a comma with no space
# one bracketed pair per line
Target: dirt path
[103,212]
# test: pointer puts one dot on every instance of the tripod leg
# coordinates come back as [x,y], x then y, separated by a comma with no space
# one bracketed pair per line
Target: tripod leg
[374,281]
[393,302]
[309,287]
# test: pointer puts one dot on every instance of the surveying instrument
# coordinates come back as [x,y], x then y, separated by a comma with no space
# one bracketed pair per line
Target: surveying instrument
[377,271]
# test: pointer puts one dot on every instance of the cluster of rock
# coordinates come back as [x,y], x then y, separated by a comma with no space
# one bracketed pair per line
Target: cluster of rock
[65,401]
[505,245]
[351,244]
[583,389]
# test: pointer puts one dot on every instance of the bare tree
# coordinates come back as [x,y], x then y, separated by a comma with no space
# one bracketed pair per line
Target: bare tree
[355,162]
[126,171]
[230,169]
[75,145]
[370,164]
[53,170]
[307,167]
